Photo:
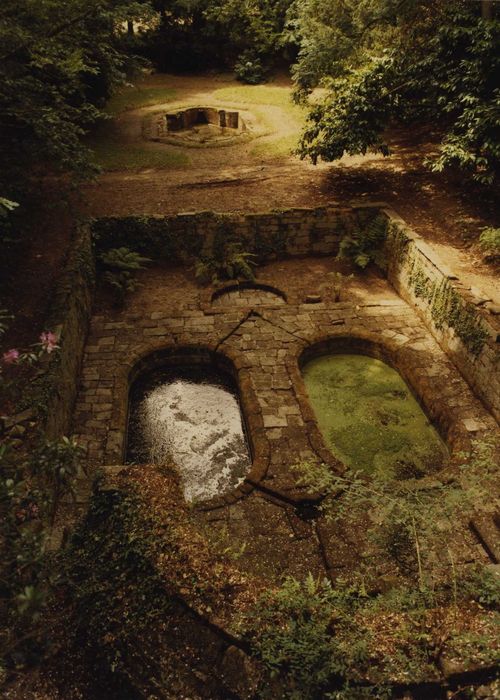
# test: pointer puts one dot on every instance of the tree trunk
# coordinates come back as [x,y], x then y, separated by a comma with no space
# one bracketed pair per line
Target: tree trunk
[487,9]
[130,27]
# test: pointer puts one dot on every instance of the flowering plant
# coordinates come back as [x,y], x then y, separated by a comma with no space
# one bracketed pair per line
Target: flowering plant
[46,345]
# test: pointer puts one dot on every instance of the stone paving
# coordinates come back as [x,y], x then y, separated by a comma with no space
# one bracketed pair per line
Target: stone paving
[264,339]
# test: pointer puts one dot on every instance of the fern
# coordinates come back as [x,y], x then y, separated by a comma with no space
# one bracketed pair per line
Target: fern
[119,265]
[366,245]
[123,259]
[232,264]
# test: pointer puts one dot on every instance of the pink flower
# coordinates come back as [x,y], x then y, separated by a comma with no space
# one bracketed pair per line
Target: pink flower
[48,341]
[11,356]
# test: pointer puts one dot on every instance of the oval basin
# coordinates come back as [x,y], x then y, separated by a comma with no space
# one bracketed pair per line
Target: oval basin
[370,419]
[191,417]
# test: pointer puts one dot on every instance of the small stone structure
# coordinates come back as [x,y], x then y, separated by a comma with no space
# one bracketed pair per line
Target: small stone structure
[197,116]
[198,127]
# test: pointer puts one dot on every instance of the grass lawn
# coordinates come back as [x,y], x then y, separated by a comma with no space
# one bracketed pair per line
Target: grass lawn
[256,95]
[276,148]
[111,155]
[259,95]
[135,97]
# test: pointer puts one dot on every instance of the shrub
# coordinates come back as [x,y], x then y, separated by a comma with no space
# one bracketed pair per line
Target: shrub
[119,265]
[249,69]
[489,240]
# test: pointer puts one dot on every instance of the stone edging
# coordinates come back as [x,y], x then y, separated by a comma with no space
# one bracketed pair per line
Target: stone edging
[452,312]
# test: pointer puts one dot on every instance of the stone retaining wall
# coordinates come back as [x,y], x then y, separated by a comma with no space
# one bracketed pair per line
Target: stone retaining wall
[462,321]
[53,394]
[295,232]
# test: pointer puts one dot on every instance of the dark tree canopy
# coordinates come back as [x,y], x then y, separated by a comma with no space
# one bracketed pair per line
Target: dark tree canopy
[383,61]
[415,61]
[59,62]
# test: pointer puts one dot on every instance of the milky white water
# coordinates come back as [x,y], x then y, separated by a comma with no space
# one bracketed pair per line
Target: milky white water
[198,426]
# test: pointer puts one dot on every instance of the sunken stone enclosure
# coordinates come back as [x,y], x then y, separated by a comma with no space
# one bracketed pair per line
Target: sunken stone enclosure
[434,327]
[254,340]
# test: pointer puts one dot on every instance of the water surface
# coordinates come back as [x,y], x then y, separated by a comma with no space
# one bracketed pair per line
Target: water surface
[191,417]
[370,419]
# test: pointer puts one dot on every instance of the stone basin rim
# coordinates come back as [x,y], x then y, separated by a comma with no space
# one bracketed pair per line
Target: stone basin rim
[236,286]
[398,358]
[184,357]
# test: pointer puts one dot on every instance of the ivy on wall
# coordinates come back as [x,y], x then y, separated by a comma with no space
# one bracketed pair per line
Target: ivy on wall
[446,306]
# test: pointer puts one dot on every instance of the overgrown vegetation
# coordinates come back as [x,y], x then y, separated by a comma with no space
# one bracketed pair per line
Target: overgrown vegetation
[118,268]
[410,62]
[337,641]
[58,64]
[231,263]
[422,512]
[32,487]
[489,240]
[366,245]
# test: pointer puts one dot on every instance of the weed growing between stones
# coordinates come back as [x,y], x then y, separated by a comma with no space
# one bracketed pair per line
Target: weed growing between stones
[413,520]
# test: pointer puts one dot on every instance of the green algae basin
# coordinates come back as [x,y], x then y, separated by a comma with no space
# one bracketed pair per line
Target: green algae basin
[370,419]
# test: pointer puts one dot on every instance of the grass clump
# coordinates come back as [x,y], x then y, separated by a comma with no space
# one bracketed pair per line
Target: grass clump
[256,95]
[276,148]
[113,155]
[134,97]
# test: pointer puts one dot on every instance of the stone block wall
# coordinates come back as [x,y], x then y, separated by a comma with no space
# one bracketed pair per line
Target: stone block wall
[458,317]
[295,232]
[53,394]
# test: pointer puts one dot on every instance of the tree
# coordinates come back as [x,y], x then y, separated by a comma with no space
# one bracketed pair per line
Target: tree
[439,64]
[59,61]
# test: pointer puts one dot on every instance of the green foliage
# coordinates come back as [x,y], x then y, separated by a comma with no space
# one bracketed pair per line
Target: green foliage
[6,205]
[200,33]
[335,641]
[5,317]
[489,240]
[447,308]
[483,585]
[439,63]
[334,36]
[59,62]
[118,265]
[231,263]
[306,632]
[31,489]
[410,518]
[366,244]
[249,69]
[57,463]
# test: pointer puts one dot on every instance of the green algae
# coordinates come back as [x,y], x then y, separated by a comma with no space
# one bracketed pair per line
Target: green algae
[370,419]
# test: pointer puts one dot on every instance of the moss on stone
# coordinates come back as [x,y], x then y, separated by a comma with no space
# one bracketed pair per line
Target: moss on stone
[368,416]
